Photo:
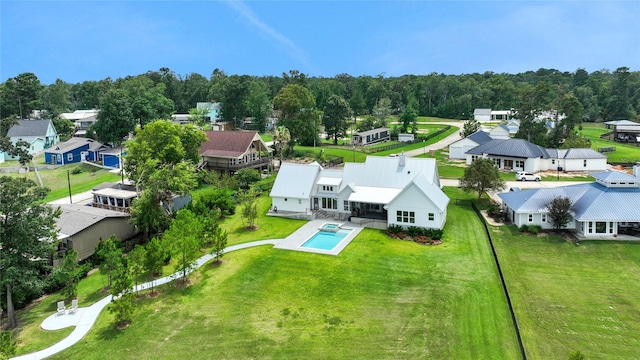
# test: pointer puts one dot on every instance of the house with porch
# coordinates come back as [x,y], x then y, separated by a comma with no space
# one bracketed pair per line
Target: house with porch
[603,208]
[380,192]
[230,151]
[522,155]
[74,150]
[39,134]
[82,120]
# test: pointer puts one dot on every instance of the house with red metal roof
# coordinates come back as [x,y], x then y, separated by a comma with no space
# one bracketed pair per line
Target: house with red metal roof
[230,151]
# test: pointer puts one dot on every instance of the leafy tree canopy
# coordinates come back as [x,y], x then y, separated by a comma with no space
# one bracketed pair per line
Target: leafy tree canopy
[481,176]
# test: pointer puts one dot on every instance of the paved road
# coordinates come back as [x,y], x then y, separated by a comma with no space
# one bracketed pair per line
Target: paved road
[84,318]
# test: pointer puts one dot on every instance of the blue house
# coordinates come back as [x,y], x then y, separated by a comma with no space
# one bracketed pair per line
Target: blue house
[73,150]
[39,134]
[111,157]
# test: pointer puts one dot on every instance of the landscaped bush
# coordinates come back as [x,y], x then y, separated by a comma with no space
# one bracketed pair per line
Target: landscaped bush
[76,170]
[524,228]
[534,229]
[436,234]
[417,234]
[394,230]
[414,231]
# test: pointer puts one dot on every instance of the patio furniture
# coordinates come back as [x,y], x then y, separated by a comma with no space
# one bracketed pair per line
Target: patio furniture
[61,308]
[74,306]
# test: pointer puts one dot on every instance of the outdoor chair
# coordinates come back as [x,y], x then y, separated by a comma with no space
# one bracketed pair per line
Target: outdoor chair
[74,306]
[61,308]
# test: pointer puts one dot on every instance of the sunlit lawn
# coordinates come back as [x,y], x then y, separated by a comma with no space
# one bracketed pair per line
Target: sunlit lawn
[623,153]
[56,179]
[570,297]
[380,298]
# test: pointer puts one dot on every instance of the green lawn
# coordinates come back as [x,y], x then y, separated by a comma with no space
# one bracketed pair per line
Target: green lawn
[380,298]
[56,179]
[624,152]
[570,297]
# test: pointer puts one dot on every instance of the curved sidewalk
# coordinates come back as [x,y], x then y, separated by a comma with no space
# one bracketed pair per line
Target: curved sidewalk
[84,318]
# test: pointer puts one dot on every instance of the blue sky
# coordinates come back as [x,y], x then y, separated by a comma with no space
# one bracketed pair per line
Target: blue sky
[91,40]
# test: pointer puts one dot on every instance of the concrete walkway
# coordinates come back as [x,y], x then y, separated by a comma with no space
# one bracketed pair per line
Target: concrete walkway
[84,318]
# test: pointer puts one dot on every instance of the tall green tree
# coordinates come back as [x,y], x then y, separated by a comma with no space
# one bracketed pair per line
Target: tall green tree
[136,260]
[122,304]
[470,127]
[281,138]
[71,272]
[27,237]
[183,239]
[298,113]
[408,118]
[382,111]
[559,212]
[259,104]
[249,210]
[481,176]
[115,119]
[25,91]
[337,117]
[110,255]
[57,98]
[148,101]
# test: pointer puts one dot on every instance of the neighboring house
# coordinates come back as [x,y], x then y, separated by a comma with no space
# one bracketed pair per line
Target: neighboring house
[513,126]
[371,137]
[380,192]
[482,115]
[39,134]
[501,115]
[612,124]
[499,132]
[119,197]
[112,157]
[406,137]
[213,110]
[230,151]
[180,118]
[82,227]
[73,150]
[82,120]
[606,207]
[522,155]
[458,149]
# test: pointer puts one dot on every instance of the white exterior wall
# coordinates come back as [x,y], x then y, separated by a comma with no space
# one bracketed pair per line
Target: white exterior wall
[458,149]
[592,165]
[412,199]
[291,204]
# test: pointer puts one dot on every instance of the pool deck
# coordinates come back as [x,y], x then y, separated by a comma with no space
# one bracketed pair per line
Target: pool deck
[293,241]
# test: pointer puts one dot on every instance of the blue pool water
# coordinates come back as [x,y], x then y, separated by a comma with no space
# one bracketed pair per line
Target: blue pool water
[326,240]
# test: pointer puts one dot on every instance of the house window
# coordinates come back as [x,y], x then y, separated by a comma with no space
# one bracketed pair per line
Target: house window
[327,188]
[59,157]
[590,227]
[530,217]
[519,164]
[584,163]
[299,201]
[232,161]
[601,227]
[553,161]
[431,217]
[610,227]
[69,157]
[544,218]
[496,162]
[346,205]
[329,203]
[406,217]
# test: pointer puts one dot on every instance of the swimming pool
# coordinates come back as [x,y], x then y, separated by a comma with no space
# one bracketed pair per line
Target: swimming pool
[326,240]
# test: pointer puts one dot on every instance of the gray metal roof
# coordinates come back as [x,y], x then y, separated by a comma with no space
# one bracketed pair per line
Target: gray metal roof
[482,112]
[582,153]
[621,122]
[374,131]
[30,128]
[480,137]
[519,148]
[590,202]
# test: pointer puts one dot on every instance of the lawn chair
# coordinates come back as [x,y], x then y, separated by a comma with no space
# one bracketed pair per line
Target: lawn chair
[74,306]
[61,308]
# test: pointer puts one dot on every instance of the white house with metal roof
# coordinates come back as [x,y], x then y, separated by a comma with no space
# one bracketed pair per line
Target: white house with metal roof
[607,207]
[379,192]
[522,155]
[458,149]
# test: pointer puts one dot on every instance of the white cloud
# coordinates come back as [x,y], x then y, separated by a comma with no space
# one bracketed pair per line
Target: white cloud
[288,46]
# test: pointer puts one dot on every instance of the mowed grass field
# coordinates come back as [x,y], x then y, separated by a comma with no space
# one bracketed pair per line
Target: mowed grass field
[624,152]
[573,297]
[380,298]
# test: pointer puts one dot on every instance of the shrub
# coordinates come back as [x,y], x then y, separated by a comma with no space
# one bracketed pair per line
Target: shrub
[534,229]
[414,231]
[524,228]
[436,234]
[76,170]
[394,229]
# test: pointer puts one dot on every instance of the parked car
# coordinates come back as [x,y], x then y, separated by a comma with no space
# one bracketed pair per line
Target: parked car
[527,176]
